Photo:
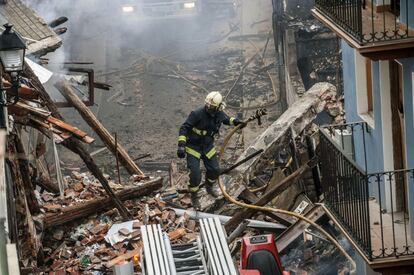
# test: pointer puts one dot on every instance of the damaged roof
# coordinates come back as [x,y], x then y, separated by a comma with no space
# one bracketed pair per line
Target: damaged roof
[40,38]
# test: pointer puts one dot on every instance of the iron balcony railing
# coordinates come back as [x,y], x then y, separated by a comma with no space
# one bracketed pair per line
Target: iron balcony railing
[361,20]
[371,207]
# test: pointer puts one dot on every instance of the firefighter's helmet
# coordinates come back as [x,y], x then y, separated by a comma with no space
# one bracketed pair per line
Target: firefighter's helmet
[214,100]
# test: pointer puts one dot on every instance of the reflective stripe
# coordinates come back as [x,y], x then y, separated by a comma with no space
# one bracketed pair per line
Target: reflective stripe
[211,181]
[211,153]
[182,138]
[199,132]
[193,189]
[192,152]
[232,120]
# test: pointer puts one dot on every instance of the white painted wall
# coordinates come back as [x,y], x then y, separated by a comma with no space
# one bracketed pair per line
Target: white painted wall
[361,83]
[386,121]
[361,90]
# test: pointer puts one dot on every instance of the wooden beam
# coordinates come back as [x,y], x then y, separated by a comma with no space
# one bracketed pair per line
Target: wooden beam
[67,91]
[75,145]
[47,121]
[87,208]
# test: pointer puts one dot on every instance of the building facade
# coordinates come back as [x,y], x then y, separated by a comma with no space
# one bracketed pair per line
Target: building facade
[378,73]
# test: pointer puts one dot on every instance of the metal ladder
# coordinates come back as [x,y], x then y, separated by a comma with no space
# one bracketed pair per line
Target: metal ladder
[209,254]
[189,258]
[216,249]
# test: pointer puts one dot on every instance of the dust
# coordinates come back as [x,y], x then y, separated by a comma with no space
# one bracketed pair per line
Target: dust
[153,65]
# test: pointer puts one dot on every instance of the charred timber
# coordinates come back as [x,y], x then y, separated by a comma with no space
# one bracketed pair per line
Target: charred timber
[85,209]
[58,21]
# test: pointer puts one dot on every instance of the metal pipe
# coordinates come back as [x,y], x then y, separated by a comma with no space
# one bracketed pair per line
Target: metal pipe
[249,157]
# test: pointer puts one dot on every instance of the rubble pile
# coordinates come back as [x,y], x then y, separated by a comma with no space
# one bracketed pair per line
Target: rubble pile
[96,243]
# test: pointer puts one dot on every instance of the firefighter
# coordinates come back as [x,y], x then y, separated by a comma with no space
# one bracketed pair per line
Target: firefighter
[196,140]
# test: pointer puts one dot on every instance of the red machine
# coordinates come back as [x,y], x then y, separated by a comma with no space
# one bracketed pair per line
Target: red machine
[259,253]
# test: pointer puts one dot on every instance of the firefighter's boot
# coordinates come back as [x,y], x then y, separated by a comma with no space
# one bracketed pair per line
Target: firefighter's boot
[195,201]
[210,188]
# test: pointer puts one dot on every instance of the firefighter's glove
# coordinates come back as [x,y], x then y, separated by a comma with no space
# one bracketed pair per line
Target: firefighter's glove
[181,150]
[239,122]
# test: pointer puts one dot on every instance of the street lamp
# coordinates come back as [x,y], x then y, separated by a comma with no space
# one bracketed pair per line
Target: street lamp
[12,52]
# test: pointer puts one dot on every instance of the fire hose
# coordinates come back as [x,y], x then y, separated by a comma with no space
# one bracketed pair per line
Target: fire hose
[276,210]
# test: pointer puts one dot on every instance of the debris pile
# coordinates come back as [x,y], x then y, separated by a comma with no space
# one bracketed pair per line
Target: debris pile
[101,240]
[44,197]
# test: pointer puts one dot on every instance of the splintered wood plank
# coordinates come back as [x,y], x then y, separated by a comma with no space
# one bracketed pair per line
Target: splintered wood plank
[66,126]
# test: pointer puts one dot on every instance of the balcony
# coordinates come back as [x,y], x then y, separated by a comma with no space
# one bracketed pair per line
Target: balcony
[377,32]
[371,209]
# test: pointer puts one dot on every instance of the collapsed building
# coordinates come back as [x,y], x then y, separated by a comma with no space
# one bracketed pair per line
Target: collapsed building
[89,222]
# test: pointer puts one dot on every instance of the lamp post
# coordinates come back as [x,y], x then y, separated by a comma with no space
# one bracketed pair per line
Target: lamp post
[12,52]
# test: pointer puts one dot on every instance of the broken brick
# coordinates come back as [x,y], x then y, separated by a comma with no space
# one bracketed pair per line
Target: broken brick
[160,203]
[186,200]
[118,246]
[124,231]
[85,241]
[151,201]
[155,213]
[176,234]
[78,187]
[136,225]
[100,228]
[47,197]
[135,234]
[56,264]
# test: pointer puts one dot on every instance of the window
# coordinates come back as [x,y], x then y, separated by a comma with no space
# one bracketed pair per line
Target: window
[364,89]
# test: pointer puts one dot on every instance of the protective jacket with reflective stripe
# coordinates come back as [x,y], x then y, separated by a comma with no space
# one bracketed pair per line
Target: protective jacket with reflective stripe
[199,129]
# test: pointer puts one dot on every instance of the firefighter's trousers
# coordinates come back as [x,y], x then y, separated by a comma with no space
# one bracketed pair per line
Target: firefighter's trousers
[212,166]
